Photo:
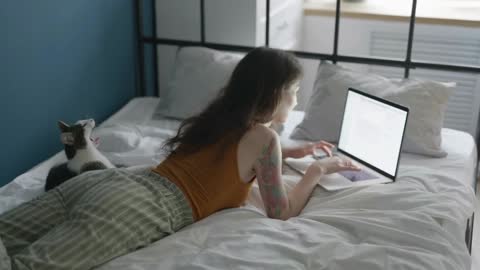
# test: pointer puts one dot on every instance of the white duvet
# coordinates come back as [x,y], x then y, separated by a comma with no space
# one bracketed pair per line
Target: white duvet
[416,223]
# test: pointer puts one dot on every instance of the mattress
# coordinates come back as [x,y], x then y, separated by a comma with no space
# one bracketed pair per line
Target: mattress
[416,223]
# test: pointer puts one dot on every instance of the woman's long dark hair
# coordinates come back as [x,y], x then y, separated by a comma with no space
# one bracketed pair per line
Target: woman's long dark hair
[250,96]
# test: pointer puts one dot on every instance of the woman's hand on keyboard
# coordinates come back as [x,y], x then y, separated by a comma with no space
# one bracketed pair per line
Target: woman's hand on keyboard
[332,165]
[307,149]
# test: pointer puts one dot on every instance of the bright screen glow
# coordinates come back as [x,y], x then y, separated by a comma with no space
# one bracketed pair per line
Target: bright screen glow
[372,131]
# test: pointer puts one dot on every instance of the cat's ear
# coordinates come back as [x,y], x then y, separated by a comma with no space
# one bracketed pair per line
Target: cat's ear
[63,126]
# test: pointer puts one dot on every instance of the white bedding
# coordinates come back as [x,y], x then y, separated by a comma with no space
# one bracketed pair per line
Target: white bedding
[416,223]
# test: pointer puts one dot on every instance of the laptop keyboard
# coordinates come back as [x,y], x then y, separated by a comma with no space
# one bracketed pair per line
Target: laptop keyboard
[357,175]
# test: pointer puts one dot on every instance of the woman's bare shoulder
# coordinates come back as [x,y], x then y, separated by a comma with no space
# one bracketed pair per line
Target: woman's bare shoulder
[251,147]
[258,137]
[261,134]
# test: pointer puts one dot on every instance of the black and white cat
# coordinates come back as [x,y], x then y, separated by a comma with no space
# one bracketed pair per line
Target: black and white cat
[81,153]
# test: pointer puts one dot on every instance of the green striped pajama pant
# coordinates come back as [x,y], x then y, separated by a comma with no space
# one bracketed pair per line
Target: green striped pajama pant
[91,219]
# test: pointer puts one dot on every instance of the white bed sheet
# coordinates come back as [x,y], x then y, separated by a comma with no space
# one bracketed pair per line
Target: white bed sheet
[416,223]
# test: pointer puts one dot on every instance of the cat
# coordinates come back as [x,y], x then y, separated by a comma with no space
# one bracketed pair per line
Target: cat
[81,153]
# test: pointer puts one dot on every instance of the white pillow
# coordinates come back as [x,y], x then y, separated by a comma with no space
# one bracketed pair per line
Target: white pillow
[427,101]
[199,75]
[117,138]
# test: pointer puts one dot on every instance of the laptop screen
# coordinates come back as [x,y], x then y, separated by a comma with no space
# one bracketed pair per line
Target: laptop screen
[372,130]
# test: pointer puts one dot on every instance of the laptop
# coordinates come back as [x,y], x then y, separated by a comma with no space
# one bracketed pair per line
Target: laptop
[371,135]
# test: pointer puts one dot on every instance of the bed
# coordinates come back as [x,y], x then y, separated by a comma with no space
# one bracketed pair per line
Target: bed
[416,223]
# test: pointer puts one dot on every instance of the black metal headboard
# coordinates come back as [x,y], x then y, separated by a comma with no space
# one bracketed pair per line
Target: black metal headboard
[407,64]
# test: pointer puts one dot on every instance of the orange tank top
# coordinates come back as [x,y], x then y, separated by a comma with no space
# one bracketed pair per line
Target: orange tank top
[209,178]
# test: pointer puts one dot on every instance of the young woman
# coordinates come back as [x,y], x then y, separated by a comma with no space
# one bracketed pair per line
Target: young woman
[211,164]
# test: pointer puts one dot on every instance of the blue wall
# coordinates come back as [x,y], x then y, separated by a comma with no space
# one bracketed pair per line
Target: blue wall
[59,60]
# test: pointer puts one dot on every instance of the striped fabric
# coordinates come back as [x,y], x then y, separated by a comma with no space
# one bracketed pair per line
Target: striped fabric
[92,219]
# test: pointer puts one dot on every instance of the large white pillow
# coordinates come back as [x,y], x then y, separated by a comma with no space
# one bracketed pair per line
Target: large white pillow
[117,138]
[199,74]
[427,101]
